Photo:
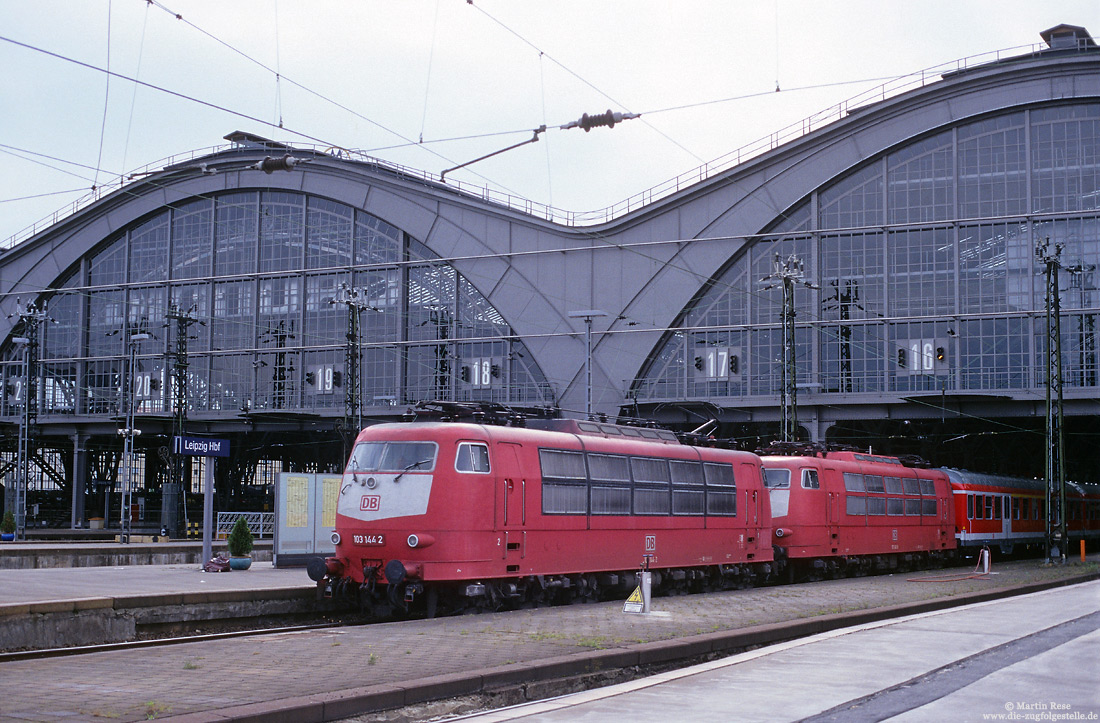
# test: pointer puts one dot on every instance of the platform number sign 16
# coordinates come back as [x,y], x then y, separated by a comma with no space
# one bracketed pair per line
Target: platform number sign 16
[922,356]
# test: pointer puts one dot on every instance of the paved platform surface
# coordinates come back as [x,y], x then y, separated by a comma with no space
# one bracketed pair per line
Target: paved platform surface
[338,673]
[1032,657]
[55,584]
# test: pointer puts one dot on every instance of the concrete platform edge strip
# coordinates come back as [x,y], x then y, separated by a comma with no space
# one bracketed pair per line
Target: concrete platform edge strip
[358,701]
[124,602]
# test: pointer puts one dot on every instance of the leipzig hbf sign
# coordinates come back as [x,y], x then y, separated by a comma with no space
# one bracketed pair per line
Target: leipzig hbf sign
[200,446]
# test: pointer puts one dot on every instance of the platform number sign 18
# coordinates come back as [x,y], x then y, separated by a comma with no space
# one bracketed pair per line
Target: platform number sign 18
[482,372]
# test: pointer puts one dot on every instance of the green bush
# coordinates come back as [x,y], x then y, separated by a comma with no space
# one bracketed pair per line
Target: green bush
[240,539]
[8,525]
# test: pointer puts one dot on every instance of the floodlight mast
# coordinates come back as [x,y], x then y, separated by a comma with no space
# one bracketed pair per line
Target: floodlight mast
[788,272]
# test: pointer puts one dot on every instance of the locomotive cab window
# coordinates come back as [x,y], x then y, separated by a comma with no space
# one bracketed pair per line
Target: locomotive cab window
[777,479]
[472,458]
[393,457]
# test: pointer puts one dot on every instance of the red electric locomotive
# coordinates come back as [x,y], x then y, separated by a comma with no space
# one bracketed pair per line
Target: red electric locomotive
[1010,512]
[840,513]
[453,516]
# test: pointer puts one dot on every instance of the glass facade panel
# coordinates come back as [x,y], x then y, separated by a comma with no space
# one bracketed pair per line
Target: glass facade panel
[925,262]
[270,335]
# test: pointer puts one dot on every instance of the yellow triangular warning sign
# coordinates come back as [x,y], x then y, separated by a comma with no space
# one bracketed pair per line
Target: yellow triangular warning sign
[636,596]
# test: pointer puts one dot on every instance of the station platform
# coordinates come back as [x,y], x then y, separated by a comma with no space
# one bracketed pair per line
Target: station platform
[1022,658]
[455,665]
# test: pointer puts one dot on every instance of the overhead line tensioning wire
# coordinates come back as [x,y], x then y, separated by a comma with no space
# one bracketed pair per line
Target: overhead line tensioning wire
[586,82]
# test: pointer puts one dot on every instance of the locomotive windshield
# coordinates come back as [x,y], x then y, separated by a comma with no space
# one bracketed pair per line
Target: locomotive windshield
[392,457]
[777,478]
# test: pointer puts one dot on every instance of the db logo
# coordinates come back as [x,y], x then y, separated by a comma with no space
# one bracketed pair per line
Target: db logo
[650,543]
[370,503]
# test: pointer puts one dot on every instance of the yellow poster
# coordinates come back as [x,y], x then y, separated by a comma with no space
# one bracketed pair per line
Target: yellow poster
[330,491]
[297,501]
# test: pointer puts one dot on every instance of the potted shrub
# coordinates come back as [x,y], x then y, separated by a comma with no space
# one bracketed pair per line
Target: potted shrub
[7,527]
[240,546]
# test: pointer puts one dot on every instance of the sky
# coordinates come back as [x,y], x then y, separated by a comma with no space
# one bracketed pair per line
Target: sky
[401,81]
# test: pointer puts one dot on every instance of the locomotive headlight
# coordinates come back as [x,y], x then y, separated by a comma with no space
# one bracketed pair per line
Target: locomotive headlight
[335,537]
[421,540]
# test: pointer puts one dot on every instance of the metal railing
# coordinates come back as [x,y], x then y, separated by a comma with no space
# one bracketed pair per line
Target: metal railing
[262,524]
[796,130]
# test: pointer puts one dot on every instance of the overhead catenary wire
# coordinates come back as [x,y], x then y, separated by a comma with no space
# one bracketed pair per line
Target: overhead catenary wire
[106,98]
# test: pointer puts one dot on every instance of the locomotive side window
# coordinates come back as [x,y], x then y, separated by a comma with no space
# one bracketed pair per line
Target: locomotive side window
[873,483]
[911,485]
[721,489]
[651,492]
[609,499]
[809,479]
[876,506]
[649,470]
[564,482]
[688,497]
[927,488]
[912,507]
[472,457]
[893,485]
[893,506]
[609,467]
[853,483]
[856,505]
[928,507]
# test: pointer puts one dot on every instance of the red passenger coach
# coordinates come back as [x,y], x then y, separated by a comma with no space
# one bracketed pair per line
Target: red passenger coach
[1009,512]
[841,512]
[451,516]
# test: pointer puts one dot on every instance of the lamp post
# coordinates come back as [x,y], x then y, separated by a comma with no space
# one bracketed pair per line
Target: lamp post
[588,315]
